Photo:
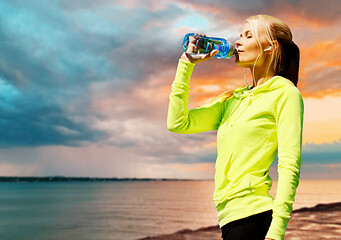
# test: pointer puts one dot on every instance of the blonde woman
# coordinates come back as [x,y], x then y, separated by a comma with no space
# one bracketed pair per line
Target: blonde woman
[254,123]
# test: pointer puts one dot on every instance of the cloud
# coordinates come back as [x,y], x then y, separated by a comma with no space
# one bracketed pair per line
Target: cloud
[298,12]
[91,80]
[324,147]
[51,60]
[321,157]
[321,171]
[320,71]
[27,121]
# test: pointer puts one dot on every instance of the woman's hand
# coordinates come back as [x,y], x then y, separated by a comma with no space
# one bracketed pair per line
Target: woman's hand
[191,54]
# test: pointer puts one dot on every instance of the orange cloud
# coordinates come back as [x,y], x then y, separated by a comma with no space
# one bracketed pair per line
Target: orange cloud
[322,54]
[320,66]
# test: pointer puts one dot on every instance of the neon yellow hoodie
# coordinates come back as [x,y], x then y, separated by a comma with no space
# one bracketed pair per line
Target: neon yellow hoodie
[253,126]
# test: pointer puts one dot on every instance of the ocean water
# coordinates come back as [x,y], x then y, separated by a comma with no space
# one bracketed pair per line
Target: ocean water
[122,210]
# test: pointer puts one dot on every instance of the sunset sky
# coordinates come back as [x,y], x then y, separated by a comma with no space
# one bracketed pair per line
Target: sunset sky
[85,84]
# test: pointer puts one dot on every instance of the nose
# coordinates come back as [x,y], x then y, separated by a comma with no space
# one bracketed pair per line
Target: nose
[238,43]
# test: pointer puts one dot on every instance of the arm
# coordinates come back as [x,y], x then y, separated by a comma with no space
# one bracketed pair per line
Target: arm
[182,120]
[289,117]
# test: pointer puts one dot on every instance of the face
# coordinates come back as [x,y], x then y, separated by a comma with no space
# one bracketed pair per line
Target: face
[247,48]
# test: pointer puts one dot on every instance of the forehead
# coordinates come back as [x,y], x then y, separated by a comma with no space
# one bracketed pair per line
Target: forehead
[247,27]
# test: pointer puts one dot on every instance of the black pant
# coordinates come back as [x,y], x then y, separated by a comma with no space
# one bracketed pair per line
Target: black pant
[254,227]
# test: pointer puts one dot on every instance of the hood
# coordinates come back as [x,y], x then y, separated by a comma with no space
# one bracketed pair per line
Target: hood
[271,84]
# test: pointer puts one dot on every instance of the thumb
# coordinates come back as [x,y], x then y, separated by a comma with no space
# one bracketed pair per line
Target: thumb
[213,53]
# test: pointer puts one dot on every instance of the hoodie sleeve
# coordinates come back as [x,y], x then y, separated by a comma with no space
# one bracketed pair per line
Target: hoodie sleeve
[289,117]
[182,120]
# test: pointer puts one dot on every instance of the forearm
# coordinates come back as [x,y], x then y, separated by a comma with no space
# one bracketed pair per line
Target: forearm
[288,180]
[177,119]
[182,120]
[289,117]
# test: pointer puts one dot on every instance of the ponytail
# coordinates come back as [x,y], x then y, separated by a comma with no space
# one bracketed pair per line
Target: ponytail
[288,65]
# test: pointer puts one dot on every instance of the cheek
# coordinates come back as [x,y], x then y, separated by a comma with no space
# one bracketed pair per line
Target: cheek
[250,53]
[252,48]
[251,45]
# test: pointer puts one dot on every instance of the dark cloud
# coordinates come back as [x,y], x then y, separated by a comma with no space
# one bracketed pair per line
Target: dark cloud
[323,147]
[52,59]
[31,122]
[45,68]
[321,158]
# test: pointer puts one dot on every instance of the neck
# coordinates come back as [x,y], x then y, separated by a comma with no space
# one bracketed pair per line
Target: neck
[261,76]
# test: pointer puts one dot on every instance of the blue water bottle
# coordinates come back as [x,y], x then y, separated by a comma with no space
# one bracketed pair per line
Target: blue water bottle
[203,45]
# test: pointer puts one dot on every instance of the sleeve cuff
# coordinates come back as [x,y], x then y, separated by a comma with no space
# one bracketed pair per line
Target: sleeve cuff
[183,75]
[187,64]
[277,228]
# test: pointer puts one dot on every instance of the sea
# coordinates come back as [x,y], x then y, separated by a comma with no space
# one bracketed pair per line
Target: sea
[120,210]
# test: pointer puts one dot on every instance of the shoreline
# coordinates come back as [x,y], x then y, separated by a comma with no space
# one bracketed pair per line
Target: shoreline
[323,221]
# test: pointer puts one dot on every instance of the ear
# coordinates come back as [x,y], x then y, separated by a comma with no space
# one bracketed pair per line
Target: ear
[275,44]
[273,47]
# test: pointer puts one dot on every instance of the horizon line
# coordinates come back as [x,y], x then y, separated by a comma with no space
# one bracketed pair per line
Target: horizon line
[57,177]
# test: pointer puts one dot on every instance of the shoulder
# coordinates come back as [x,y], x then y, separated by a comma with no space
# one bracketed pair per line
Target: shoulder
[286,89]
[290,101]
[290,92]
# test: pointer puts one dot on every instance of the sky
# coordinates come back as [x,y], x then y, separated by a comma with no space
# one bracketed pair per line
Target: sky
[85,84]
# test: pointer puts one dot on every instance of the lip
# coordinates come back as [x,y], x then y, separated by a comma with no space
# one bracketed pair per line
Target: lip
[239,51]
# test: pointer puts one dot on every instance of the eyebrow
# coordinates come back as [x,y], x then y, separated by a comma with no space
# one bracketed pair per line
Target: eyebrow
[246,32]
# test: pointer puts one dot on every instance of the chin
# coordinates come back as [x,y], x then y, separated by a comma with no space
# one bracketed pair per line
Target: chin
[243,64]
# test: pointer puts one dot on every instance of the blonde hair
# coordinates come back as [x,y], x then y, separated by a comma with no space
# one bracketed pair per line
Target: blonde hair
[285,58]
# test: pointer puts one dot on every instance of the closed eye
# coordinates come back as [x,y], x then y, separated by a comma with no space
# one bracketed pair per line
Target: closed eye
[246,33]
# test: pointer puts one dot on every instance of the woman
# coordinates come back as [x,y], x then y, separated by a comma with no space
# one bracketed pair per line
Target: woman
[254,124]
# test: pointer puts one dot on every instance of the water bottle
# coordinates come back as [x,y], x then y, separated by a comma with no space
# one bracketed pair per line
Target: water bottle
[203,45]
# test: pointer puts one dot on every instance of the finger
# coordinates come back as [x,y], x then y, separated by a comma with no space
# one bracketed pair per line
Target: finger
[207,56]
[192,48]
[210,55]
[213,53]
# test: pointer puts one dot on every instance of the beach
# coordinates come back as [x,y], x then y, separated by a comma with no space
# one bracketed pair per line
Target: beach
[322,221]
